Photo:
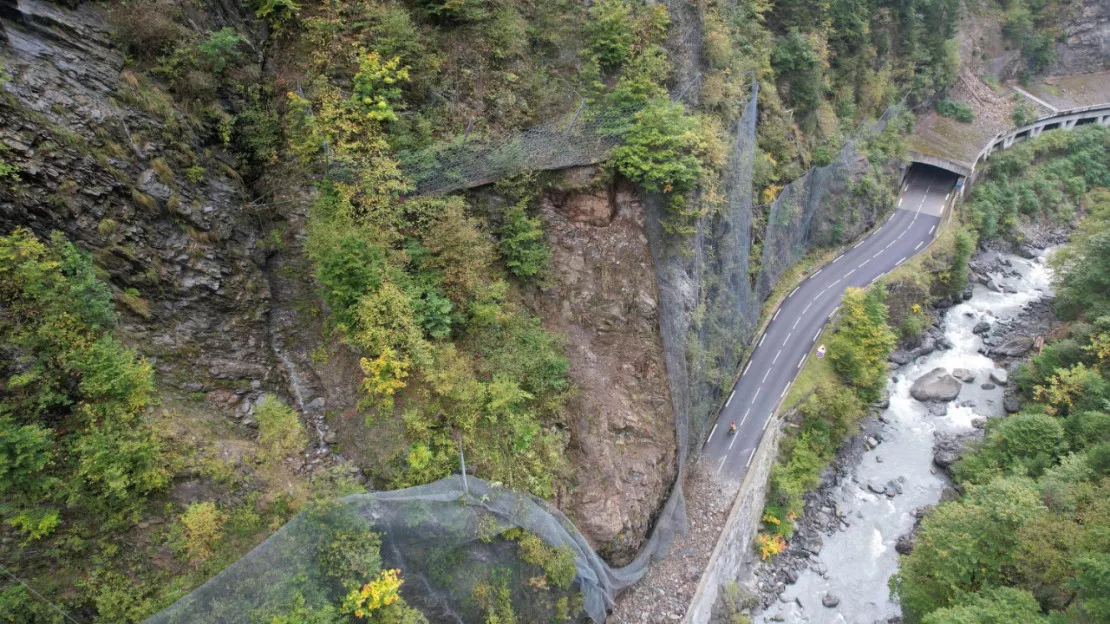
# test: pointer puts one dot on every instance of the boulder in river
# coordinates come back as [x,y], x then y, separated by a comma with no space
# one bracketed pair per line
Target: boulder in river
[999,376]
[938,409]
[981,327]
[1014,347]
[988,386]
[945,458]
[904,545]
[830,600]
[892,489]
[1012,405]
[963,375]
[936,385]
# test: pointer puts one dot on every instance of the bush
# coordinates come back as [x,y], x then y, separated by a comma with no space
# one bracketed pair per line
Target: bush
[956,110]
[280,429]
[862,342]
[146,27]
[1024,114]
[522,243]
[610,32]
[202,527]
[662,151]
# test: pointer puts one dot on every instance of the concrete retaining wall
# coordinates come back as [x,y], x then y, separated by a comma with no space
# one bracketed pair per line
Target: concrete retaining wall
[734,547]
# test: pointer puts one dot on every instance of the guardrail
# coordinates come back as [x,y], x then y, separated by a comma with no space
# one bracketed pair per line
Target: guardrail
[1066,120]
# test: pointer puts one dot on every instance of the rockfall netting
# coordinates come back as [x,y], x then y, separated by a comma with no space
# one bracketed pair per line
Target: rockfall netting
[447,538]
[583,136]
[790,218]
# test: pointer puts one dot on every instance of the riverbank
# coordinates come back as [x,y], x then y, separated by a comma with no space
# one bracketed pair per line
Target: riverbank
[881,482]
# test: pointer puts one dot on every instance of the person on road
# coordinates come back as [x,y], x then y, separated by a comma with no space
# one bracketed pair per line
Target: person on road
[732,428]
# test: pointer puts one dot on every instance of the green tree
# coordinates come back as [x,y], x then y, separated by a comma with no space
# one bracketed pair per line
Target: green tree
[966,546]
[962,250]
[862,342]
[1000,605]
[522,244]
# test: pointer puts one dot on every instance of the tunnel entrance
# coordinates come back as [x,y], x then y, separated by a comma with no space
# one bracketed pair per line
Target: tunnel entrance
[927,188]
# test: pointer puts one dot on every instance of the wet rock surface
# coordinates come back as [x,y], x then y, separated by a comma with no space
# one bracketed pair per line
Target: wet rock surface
[936,385]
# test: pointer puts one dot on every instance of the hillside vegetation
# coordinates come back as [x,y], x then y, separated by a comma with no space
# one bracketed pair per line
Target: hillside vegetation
[1027,540]
[429,293]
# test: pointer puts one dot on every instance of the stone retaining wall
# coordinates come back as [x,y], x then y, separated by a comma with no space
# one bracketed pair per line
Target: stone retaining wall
[733,551]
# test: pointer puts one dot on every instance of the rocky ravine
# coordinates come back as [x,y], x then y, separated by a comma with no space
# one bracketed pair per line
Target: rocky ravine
[1008,343]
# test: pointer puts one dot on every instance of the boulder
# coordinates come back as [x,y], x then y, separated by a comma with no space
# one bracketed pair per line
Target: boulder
[963,375]
[945,458]
[981,327]
[884,400]
[999,376]
[830,601]
[904,545]
[938,409]
[936,385]
[1014,347]
[791,576]
[892,489]
[993,285]
[1012,405]
[900,357]
[988,386]
[875,488]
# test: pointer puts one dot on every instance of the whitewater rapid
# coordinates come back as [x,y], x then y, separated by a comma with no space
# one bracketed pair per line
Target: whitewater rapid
[857,561]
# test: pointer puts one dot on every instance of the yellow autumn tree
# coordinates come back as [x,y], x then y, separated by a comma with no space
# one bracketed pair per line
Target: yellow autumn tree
[385,375]
[380,592]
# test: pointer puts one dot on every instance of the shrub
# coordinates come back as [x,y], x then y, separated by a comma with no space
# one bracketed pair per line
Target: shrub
[146,27]
[610,32]
[956,110]
[522,243]
[202,527]
[662,151]
[862,342]
[280,429]
[1024,114]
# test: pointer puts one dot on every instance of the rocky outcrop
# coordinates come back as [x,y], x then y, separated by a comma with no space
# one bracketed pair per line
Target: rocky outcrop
[602,296]
[936,385]
[101,157]
[1085,46]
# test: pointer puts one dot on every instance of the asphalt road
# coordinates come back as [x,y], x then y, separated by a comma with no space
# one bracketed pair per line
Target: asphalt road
[791,336]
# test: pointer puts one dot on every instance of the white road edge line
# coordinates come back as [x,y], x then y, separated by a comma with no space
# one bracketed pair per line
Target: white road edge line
[859,243]
[900,261]
[793,291]
[875,280]
[837,258]
[785,389]
[711,433]
[749,365]
[750,456]
[834,311]
[761,341]
[730,398]
[800,362]
[818,273]
[932,229]
[721,465]
[817,335]
[919,244]
[776,315]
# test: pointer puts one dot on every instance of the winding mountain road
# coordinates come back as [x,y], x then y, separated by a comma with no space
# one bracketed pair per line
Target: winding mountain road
[791,336]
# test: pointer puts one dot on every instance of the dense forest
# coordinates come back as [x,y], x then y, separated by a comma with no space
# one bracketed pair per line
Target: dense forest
[1027,541]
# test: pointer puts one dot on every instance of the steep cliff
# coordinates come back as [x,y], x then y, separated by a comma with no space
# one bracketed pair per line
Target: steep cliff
[107,158]
[602,296]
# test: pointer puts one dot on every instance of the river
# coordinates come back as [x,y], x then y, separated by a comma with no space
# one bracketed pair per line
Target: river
[859,559]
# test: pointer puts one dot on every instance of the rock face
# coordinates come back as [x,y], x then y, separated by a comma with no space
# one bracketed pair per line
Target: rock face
[936,385]
[1086,44]
[604,300]
[190,251]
